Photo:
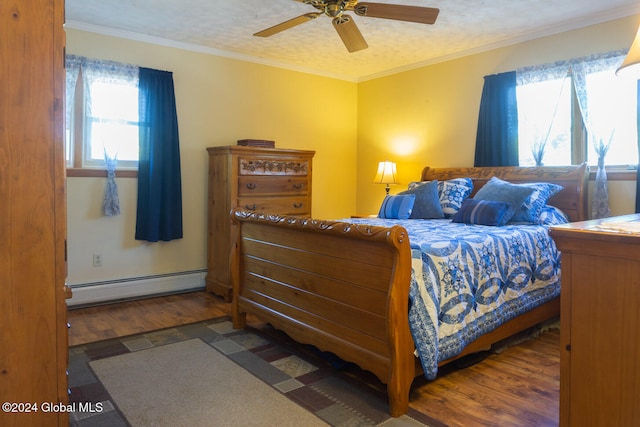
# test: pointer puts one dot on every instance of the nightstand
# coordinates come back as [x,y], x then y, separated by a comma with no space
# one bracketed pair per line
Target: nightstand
[600,322]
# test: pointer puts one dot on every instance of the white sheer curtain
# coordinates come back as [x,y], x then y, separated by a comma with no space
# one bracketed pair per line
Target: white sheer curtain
[599,93]
[599,117]
[95,72]
[72,68]
[111,201]
[557,75]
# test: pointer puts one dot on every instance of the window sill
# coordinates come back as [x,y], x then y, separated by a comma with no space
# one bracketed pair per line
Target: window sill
[99,173]
[614,174]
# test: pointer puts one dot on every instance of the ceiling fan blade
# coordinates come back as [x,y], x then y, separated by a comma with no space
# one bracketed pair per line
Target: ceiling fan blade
[287,24]
[422,15]
[349,33]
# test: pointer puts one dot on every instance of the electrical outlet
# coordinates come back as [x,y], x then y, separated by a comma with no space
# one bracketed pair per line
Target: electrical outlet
[97,260]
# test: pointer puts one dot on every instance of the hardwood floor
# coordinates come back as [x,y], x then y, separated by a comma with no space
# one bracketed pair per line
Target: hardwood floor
[133,317]
[516,387]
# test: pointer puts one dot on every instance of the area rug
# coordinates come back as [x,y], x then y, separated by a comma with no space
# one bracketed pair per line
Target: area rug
[208,374]
[190,383]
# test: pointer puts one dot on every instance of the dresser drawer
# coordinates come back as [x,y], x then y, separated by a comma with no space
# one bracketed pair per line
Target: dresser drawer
[272,166]
[262,180]
[277,205]
[254,185]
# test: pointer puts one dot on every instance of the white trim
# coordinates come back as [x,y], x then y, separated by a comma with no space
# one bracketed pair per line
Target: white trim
[572,24]
[97,293]
[550,30]
[146,38]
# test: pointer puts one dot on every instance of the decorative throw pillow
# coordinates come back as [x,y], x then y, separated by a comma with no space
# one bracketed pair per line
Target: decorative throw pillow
[532,206]
[451,193]
[397,207]
[483,212]
[551,215]
[497,190]
[427,204]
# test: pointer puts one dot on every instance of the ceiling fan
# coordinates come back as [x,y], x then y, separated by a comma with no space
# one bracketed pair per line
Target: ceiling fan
[346,26]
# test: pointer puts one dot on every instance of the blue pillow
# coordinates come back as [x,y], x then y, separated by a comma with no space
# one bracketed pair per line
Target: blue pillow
[532,206]
[451,193]
[427,204]
[397,207]
[551,215]
[497,190]
[483,212]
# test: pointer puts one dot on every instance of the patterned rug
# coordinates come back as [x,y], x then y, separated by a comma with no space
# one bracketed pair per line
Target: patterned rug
[338,393]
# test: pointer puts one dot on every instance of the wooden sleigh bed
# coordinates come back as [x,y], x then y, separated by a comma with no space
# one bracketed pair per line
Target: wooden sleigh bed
[344,287]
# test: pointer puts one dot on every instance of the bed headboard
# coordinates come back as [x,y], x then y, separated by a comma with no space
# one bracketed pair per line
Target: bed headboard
[572,200]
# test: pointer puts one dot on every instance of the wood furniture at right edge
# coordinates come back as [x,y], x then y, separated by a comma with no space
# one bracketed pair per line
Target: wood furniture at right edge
[600,324]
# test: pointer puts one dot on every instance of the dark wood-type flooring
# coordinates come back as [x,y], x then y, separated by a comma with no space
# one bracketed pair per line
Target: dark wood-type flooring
[516,387]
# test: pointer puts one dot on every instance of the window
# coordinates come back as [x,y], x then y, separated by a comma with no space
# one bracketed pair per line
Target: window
[612,107]
[111,124]
[544,122]
[566,111]
[102,117]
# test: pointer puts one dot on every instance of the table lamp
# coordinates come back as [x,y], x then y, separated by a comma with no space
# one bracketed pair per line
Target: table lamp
[386,174]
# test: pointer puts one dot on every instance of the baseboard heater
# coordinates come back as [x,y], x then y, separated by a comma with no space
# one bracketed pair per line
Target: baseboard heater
[84,294]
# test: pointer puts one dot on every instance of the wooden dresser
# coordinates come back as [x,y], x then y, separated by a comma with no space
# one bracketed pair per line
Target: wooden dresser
[600,323]
[33,327]
[269,180]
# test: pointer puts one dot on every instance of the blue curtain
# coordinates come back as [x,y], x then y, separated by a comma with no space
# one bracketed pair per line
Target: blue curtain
[497,135]
[159,215]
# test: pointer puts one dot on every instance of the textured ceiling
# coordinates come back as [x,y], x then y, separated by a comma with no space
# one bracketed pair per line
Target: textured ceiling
[225,27]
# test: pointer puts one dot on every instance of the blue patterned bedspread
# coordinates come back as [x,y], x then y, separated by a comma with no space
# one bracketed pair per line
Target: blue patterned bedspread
[469,279]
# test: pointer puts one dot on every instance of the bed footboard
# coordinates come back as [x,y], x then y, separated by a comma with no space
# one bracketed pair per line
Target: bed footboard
[342,287]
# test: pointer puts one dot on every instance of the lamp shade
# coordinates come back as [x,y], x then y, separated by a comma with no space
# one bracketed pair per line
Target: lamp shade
[630,67]
[386,173]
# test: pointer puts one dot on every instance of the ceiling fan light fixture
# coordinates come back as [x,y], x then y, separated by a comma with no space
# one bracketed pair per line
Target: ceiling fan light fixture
[334,10]
[346,26]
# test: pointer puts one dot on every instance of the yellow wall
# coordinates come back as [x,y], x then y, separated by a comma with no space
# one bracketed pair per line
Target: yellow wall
[219,101]
[428,116]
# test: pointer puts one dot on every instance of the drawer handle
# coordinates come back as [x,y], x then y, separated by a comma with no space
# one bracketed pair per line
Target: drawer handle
[251,208]
[298,186]
[251,186]
[297,205]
